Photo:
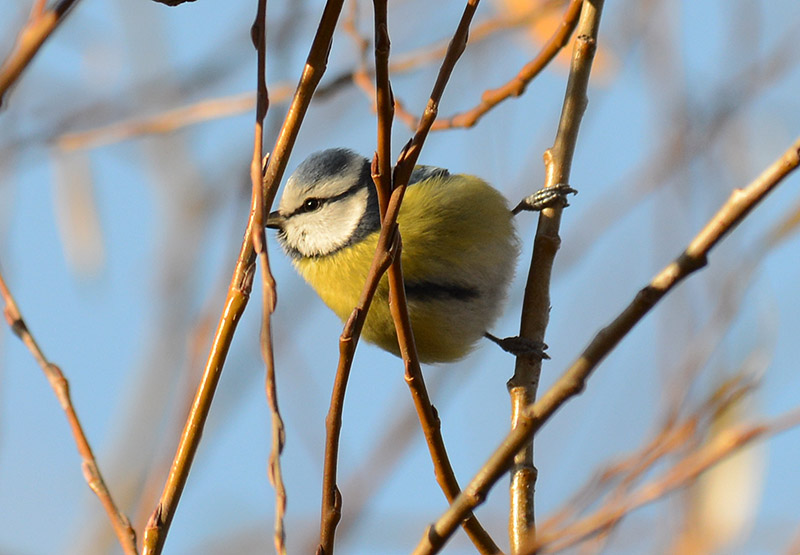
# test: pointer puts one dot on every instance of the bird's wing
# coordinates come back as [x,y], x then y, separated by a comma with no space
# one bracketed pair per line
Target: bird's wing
[421,173]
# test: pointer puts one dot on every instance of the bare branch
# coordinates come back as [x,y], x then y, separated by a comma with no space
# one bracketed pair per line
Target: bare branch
[40,26]
[524,384]
[91,471]
[240,286]
[516,86]
[574,379]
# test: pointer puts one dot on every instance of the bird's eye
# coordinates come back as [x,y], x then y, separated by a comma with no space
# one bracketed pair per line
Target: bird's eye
[311,204]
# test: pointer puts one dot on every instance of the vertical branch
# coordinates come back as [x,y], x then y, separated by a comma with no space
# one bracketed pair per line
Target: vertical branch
[331,510]
[91,472]
[240,286]
[382,166]
[268,290]
[39,27]
[398,304]
[523,385]
[387,254]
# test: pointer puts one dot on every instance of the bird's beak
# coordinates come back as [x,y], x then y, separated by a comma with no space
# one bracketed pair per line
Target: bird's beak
[275,220]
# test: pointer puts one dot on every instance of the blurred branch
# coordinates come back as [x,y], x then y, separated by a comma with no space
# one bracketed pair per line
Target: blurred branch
[574,379]
[164,122]
[516,86]
[91,472]
[39,27]
[174,119]
[680,475]
[675,435]
[523,386]
[682,143]
[240,286]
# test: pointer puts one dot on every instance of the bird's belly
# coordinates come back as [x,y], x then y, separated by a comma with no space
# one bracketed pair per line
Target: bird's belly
[448,315]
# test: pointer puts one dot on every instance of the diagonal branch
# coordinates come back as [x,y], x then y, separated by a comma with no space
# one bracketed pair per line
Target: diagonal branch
[38,29]
[398,304]
[574,379]
[683,473]
[516,86]
[240,286]
[60,385]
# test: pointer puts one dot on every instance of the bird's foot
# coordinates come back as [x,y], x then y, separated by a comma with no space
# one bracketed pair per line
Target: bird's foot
[546,198]
[520,346]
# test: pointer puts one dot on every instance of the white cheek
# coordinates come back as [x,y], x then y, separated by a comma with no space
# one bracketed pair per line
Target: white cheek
[328,229]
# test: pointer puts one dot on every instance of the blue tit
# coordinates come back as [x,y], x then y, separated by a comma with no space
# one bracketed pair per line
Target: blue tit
[458,256]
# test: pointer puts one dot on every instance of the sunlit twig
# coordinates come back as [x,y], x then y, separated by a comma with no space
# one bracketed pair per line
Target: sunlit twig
[523,386]
[574,379]
[240,286]
[39,27]
[91,472]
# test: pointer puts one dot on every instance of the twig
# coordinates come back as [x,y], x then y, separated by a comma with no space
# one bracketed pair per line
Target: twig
[213,108]
[431,425]
[680,475]
[683,142]
[677,435]
[387,251]
[574,379]
[173,119]
[163,122]
[524,384]
[240,286]
[91,472]
[39,27]
[517,85]
[348,340]
[268,290]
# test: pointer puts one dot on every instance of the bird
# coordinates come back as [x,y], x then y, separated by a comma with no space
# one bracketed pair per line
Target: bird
[458,256]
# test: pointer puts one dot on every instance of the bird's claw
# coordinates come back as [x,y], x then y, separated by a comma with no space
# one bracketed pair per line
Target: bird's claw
[520,346]
[546,198]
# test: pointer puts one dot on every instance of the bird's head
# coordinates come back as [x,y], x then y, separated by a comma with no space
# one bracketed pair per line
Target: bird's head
[329,203]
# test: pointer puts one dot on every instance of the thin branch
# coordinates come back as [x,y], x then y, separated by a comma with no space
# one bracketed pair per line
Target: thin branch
[240,286]
[348,340]
[331,497]
[167,121]
[676,436]
[174,119]
[574,379]
[524,384]
[516,86]
[387,252]
[38,29]
[398,304]
[384,105]
[680,475]
[91,472]
[268,290]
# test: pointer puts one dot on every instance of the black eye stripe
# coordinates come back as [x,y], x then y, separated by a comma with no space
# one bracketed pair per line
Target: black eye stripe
[317,203]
